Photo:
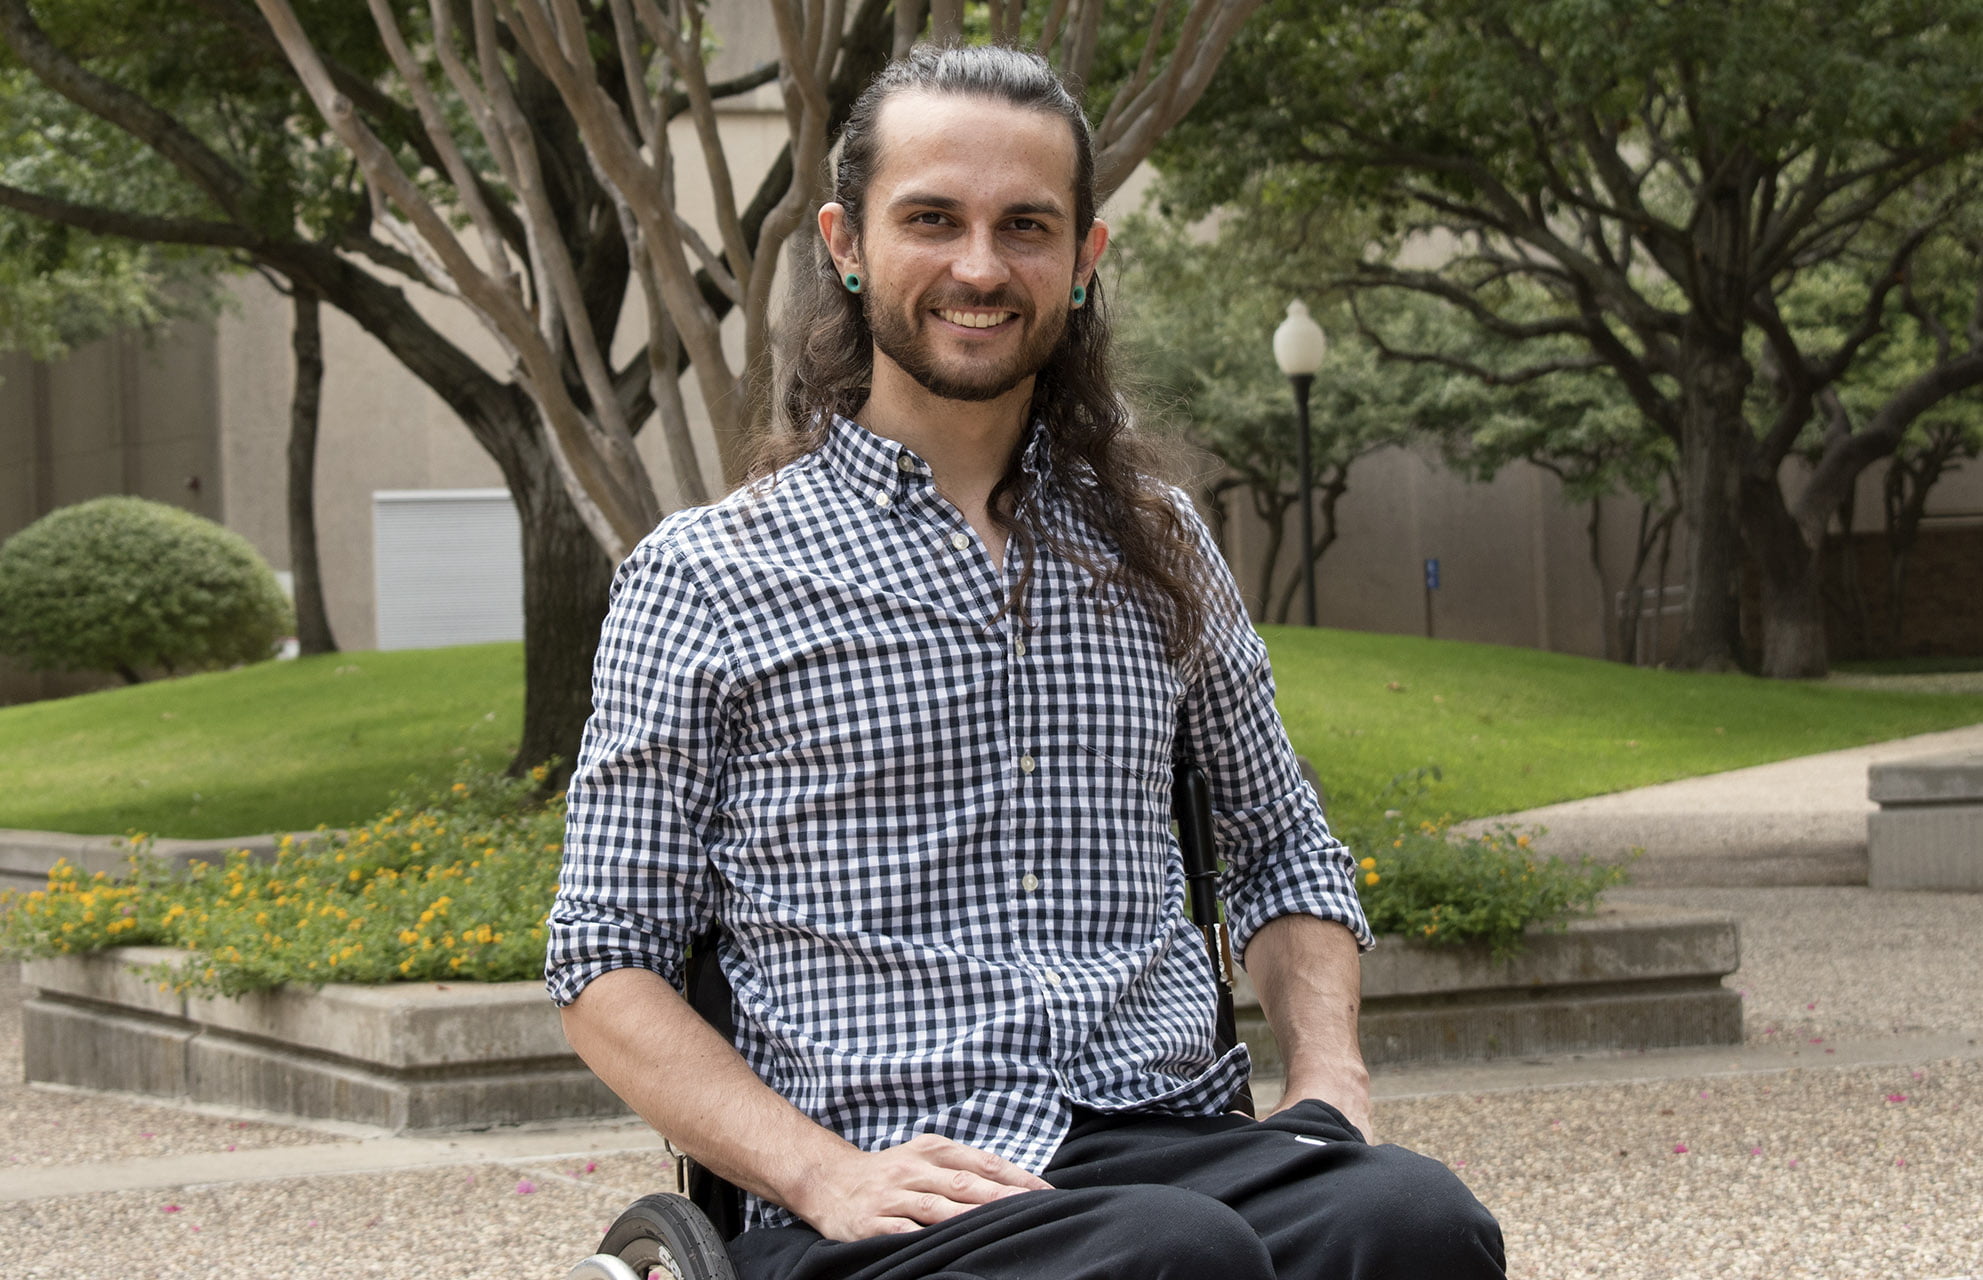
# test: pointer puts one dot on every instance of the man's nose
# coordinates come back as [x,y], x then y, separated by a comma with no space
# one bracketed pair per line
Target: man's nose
[979,262]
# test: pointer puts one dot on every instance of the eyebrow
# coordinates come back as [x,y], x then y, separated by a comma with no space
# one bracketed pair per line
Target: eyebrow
[930,200]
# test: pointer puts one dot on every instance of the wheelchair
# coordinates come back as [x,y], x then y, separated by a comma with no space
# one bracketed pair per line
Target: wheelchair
[681,1236]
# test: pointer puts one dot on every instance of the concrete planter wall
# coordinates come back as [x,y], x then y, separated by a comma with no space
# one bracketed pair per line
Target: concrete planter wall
[408,1056]
[27,856]
[426,1056]
[1629,977]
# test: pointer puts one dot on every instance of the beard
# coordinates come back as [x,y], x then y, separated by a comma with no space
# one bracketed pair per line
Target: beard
[903,337]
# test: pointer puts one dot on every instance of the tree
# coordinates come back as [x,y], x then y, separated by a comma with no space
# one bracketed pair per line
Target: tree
[1200,318]
[1663,174]
[543,124]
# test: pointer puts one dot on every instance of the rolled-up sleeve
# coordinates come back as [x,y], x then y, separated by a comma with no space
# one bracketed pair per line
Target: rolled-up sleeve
[636,884]
[1279,856]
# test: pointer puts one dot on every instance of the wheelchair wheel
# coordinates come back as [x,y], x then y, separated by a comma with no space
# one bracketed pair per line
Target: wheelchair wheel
[659,1237]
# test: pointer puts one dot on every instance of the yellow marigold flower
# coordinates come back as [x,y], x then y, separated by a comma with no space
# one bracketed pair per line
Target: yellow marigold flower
[1371,877]
[539,773]
[1522,841]
[1367,863]
[355,876]
[461,788]
[427,917]
[406,965]
[457,962]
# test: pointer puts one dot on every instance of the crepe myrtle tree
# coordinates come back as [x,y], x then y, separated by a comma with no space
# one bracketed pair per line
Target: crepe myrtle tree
[515,156]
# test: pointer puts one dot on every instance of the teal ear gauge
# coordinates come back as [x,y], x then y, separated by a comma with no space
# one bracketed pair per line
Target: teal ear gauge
[853,282]
[1080,294]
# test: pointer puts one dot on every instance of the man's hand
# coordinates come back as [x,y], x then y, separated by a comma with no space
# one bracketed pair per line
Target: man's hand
[921,1182]
[1344,1086]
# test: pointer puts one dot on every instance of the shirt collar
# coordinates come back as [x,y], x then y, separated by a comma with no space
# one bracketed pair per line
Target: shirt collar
[876,465]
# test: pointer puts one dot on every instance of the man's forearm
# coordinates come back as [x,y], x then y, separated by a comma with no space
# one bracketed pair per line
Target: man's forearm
[668,1064]
[1305,970]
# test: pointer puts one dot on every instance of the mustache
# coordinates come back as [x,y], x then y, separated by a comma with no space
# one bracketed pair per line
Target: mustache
[996,300]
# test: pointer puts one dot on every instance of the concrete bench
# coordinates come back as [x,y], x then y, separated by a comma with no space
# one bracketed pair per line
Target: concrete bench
[1928,832]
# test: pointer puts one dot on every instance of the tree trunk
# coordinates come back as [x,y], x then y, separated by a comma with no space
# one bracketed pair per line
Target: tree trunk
[1792,584]
[1711,428]
[1614,641]
[313,629]
[566,580]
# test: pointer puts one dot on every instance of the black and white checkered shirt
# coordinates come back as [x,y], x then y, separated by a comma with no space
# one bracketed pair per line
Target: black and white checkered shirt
[936,839]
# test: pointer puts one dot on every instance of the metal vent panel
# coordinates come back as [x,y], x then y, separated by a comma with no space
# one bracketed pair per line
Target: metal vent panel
[448,567]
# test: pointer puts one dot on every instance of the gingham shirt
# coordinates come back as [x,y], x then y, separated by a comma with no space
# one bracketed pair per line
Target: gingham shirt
[937,840]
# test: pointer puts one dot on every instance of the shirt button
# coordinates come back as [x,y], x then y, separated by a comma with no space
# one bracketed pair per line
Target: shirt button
[881,498]
[1052,977]
[903,462]
[960,540]
[1030,882]
[1026,764]
[1019,646]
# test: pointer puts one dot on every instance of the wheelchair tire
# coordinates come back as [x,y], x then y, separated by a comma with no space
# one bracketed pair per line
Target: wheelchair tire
[663,1237]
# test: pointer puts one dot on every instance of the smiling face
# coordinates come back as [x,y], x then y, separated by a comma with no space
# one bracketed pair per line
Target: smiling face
[967,250]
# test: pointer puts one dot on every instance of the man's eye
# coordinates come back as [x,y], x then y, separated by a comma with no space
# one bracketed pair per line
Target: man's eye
[927,218]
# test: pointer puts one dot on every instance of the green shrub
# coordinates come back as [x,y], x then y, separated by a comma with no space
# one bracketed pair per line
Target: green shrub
[1424,883]
[455,887]
[127,585]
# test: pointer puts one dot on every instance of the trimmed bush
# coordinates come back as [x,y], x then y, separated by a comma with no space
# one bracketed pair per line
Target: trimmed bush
[128,586]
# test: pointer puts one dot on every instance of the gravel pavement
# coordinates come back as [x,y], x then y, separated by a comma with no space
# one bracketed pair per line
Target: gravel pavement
[1843,1139]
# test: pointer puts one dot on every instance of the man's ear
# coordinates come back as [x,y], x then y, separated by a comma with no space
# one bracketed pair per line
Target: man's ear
[1092,246]
[836,229]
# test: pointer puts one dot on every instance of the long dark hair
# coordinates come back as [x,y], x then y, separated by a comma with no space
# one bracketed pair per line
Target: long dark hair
[1109,471]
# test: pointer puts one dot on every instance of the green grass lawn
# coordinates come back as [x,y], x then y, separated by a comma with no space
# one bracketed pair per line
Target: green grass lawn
[1510,729]
[289,745]
[281,746]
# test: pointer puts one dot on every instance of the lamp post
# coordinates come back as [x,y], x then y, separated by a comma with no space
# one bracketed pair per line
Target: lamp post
[1298,347]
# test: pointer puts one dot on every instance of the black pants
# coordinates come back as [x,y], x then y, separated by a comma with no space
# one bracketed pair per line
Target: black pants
[1135,1198]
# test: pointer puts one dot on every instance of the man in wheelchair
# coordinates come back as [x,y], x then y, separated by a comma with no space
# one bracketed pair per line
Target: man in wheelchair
[893,727]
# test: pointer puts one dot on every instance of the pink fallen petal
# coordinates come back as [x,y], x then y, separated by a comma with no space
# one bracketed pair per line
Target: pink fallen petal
[1793,1164]
[1812,1005]
[1896,1097]
[230,1146]
[1900,1162]
[1755,1151]
[170,1208]
[1704,1093]
[1817,1039]
[1679,1148]
[1919,1075]
[591,1166]
[526,1188]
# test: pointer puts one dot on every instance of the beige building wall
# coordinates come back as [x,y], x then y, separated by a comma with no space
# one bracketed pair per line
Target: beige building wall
[1514,565]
